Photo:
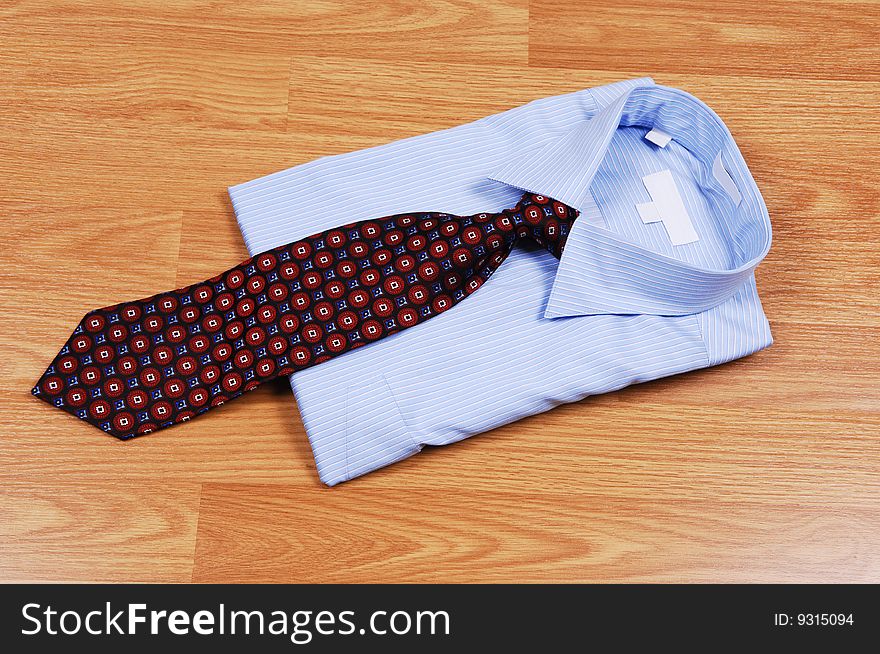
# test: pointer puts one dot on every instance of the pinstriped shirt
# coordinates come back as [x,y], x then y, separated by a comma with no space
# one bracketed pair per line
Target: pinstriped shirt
[657,275]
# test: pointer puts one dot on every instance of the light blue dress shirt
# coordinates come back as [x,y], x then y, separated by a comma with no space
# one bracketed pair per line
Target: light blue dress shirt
[626,303]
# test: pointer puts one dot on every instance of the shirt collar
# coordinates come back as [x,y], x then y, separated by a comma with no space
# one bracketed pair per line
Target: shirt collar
[600,271]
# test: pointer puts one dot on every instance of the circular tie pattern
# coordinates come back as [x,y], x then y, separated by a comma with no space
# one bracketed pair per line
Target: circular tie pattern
[136,367]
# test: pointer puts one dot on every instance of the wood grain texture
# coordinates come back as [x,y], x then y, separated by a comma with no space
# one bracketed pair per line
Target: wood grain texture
[788,39]
[124,122]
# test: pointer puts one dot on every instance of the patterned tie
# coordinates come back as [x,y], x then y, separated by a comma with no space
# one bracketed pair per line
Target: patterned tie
[140,366]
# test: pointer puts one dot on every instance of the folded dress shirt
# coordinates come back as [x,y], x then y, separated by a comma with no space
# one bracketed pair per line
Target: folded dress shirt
[656,277]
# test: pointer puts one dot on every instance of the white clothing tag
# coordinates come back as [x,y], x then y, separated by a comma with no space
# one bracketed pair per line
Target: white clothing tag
[668,208]
[658,137]
[648,212]
[720,173]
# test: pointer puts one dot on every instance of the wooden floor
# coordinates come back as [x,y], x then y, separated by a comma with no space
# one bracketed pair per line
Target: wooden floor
[122,124]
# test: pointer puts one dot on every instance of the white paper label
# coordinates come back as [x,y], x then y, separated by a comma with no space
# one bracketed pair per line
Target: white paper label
[720,173]
[658,137]
[667,206]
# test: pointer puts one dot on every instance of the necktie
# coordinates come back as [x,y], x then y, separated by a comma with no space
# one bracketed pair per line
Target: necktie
[136,367]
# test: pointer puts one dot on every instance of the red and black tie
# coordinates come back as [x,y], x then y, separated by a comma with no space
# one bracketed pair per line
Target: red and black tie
[136,367]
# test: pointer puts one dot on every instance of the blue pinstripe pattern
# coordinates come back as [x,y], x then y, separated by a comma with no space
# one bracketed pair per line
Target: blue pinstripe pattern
[622,306]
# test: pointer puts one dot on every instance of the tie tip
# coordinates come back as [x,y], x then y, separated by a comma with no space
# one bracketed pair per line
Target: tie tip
[41,392]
